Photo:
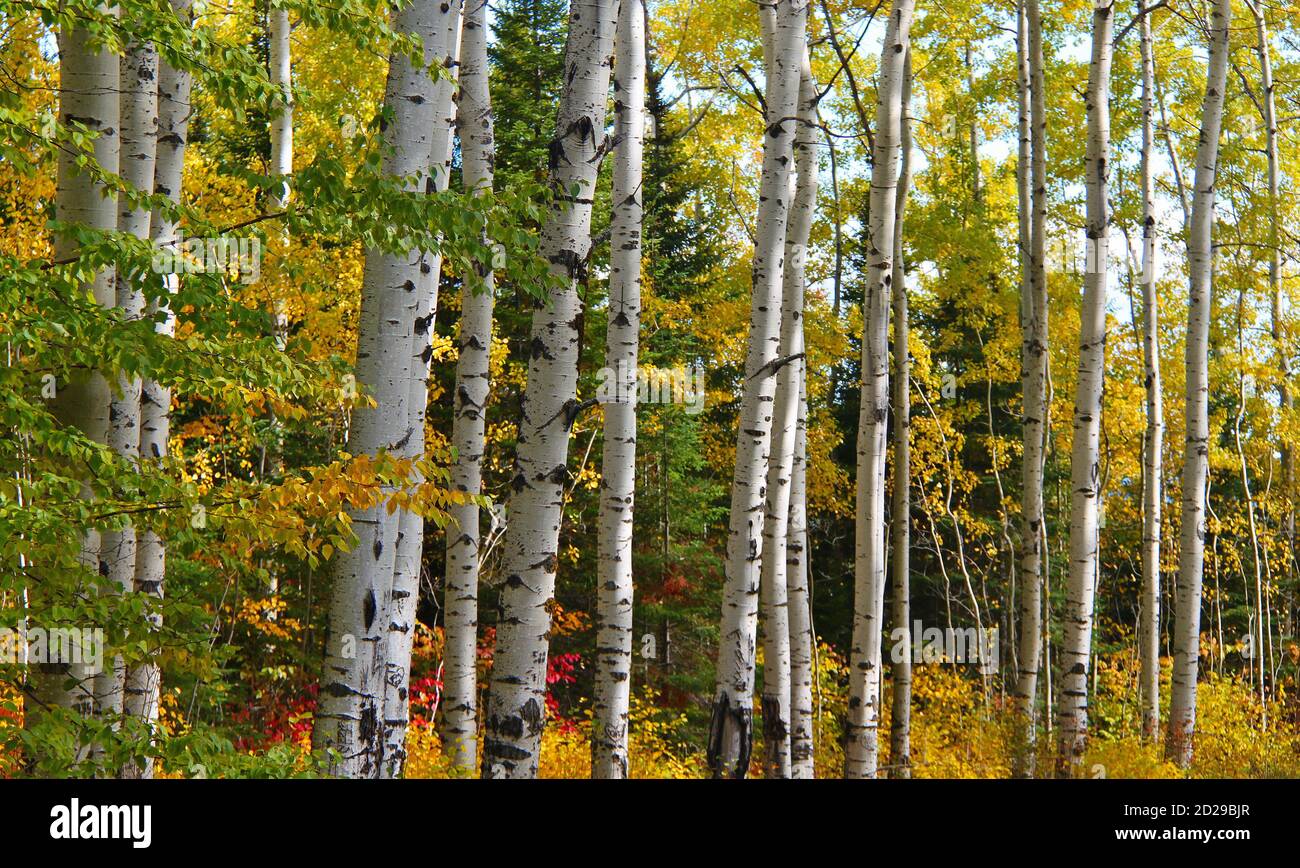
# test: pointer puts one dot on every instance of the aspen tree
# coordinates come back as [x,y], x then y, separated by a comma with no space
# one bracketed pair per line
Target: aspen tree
[474,342]
[900,760]
[399,614]
[802,640]
[348,719]
[1085,477]
[785,414]
[861,757]
[88,96]
[516,703]
[138,130]
[1032,193]
[1153,442]
[731,729]
[613,679]
[142,682]
[1200,262]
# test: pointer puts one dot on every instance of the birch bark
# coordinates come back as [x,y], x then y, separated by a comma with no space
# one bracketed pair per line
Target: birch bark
[516,704]
[900,759]
[400,603]
[348,720]
[1200,263]
[618,471]
[1153,446]
[474,343]
[88,95]
[731,728]
[773,580]
[142,681]
[861,757]
[798,600]
[1032,180]
[1072,710]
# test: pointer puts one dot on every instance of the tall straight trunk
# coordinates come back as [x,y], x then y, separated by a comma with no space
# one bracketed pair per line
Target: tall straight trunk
[138,130]
[1268,105]
[613,680]
[730,730]
[1196,457]
[802,657]
[773,581]
[1032,197]
[88,95]
[1085,478]
[142,681]
[1153,445]
[861,756]
[516,703]
[282,120]
[900,731]
[399,614]
[348,719]
[473,368]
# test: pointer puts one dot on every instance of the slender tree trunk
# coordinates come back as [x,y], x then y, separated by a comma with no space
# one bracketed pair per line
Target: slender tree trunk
[1032,180]
[516,704]
[138,129]
[282,121]
[1152,475]
[900,734]
[351,709]
[473,368]
[773,583]
[88,95]
[1085,478]
[862,749]
[399,614]
[730,731]
[1268,101]
[613,680]
[142,682]
[1200,262]
[803,672]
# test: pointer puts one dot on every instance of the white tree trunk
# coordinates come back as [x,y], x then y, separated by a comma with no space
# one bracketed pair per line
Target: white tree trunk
[900,732]
[282,121]
[1085,482]
[88,95]
[516,704]
[1032,180]
[773,583]
[613,677]
[348,719]
[861,756]
[1200,261]
[460,607]
[1268,101]
[400,606]
[138,130]
[802,639]
[1152,473]
[731,729]
[142,683]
